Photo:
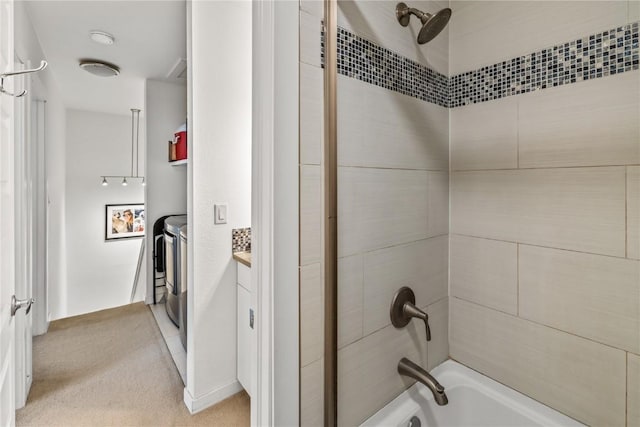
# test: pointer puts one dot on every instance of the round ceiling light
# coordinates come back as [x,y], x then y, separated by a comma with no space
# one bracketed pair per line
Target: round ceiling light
[99,68]
[101,37]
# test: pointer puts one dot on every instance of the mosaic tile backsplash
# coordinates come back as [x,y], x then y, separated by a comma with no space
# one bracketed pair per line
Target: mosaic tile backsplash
[607,53]
[241,240]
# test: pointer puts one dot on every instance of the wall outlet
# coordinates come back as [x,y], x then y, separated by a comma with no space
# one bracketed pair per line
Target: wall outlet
[220,213]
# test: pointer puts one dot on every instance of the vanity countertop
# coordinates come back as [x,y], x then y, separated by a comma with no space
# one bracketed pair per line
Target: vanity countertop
[243,257]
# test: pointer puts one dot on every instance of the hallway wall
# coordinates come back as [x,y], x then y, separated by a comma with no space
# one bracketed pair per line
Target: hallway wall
[219,172]
[99,273]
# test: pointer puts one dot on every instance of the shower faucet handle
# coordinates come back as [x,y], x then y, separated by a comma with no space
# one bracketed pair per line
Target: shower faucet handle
[403,309]
[411,310]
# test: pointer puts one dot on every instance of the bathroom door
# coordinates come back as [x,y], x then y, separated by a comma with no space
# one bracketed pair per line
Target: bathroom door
[7,238]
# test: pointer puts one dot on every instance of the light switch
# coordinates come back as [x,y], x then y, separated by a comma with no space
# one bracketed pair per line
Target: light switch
[220,213]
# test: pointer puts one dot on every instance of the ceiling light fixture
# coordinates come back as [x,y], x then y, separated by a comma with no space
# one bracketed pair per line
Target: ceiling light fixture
[102,37]
[104,181]
[124,182]
[99,68]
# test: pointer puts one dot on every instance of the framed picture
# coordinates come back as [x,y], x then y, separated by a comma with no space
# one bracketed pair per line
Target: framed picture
[124,221]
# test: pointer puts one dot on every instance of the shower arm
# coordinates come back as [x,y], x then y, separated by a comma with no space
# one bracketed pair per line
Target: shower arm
[423,16]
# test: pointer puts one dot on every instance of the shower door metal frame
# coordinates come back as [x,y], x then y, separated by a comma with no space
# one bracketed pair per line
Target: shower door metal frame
[330,213]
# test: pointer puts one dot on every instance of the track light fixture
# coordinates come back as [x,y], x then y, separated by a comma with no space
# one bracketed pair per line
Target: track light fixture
[135,151]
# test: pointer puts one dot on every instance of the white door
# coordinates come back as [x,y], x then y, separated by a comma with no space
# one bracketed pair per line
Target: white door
[23,235]
[7,221]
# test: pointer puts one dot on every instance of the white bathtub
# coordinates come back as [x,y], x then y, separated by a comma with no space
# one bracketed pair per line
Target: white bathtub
[474,400]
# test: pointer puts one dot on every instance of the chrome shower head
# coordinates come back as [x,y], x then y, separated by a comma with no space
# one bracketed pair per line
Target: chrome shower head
[432,25]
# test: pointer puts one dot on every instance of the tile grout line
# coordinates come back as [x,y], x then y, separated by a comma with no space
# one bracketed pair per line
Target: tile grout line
[518,278]
[537,168]
[517,133]
[542,246]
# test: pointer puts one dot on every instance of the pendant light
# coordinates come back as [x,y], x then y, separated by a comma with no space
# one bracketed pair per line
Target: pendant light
[135,154]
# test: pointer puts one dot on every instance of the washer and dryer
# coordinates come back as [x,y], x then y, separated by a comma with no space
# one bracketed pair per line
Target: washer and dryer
[173,263]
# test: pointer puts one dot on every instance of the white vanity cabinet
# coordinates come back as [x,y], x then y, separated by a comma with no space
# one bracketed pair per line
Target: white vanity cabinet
[244,327]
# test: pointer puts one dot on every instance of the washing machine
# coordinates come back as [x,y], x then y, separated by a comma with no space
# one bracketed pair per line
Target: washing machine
[172,265]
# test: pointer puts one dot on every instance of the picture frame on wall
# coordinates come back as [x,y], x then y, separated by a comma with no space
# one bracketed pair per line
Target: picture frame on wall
[124,221]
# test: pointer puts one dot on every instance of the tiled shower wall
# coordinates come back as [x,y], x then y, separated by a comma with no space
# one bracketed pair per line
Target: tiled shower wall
[545,188]
[393,214]
[545,279]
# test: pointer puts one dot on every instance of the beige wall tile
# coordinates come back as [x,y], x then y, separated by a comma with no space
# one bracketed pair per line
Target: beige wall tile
[633,390]
[579,208]
[634,10]
[387,129]
[367,371]
[422,266]
[350,299]
[438,201]
[313,7]
[593,296]
[311,395]
[376,21]
[438,347]
[311,318]
[485,135]
[589,124]
[485,32]
[311,114]
[378,208]
[633,212]
[485,272]
[578,377]
[351,122]
[310,32]
[310,215]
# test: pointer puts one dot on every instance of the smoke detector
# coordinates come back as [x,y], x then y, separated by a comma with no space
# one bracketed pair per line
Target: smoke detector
[99,68]
[101,37]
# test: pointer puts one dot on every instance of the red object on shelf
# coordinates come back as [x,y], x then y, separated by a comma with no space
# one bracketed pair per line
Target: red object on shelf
[180,141]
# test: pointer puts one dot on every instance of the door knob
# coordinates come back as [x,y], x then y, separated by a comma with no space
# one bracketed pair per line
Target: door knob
[17,304]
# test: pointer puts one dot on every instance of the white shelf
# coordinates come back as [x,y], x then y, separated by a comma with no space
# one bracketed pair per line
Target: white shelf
[179,162]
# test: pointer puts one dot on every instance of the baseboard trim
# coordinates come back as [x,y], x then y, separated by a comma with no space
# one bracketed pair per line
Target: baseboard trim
[215,396]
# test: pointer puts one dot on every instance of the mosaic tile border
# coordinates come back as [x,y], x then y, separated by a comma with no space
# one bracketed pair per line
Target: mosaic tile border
[607,53]
[598,55]
[241,240]
[366,61]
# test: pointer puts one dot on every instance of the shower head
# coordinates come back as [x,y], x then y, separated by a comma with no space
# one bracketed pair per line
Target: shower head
[431,24]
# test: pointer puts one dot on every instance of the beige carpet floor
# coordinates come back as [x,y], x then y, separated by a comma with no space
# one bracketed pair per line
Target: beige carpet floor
[112,368]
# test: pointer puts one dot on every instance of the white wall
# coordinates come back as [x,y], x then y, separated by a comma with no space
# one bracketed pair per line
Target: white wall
[99,273]
[221,172]
[166,190]
[29,50]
